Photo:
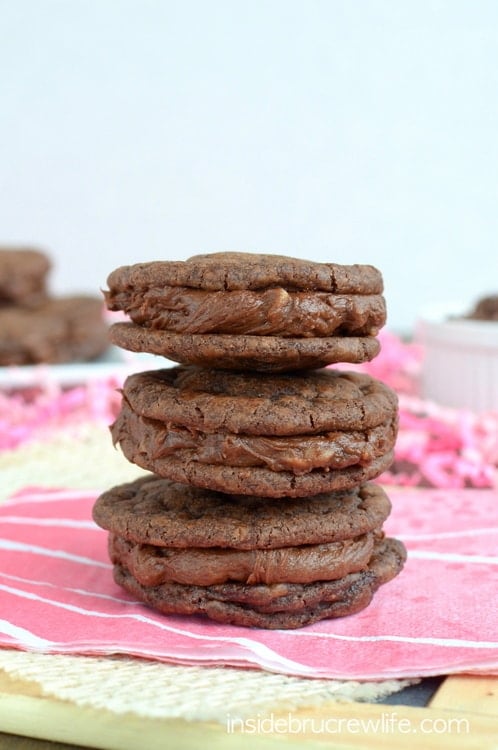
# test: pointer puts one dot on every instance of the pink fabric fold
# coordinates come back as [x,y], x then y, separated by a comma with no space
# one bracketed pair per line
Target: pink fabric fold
[438,617]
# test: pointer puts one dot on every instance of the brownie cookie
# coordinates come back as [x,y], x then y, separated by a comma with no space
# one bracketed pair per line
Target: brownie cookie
[159,512]
[261,404]
[180,430]
[23,274]
[62,330]
[152,565]
[279,605]
[248,311]
[262,353]
[234,271]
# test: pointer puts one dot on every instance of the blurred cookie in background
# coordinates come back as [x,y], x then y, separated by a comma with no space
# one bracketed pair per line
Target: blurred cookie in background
[66,329]
[37,327]
[486,308]
[23,276]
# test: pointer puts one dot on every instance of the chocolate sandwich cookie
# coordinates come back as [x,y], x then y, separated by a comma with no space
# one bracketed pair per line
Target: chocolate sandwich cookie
[152,565]
[199,427]
[23,274]
[249,311]
[62,330]
[279,605]
[156,511]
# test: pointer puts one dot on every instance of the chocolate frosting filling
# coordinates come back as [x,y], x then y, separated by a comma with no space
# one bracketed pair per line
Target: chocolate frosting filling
[269,312]
[300,455]
[152,566]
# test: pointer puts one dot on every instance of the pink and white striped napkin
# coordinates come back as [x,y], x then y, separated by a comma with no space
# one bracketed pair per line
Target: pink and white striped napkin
[439,616]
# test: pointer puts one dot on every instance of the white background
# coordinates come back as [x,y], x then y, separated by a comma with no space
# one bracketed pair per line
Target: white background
[337,130]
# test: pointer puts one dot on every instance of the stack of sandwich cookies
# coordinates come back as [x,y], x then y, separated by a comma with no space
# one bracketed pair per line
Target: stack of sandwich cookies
[259,511]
